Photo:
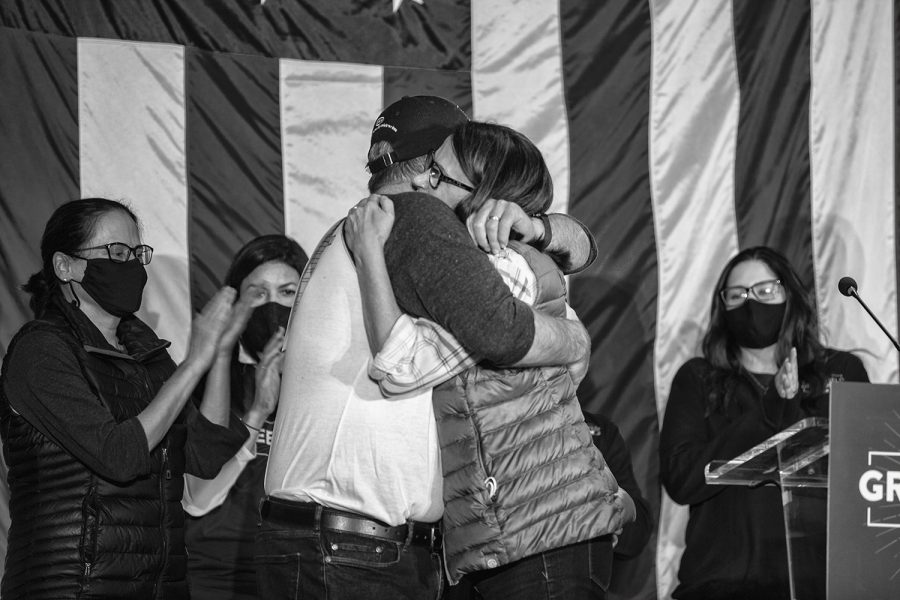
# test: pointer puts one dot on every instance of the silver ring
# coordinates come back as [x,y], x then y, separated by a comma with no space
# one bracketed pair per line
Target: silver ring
[494,218]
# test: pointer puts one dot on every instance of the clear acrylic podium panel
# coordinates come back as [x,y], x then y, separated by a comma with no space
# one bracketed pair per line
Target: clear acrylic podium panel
[796,459]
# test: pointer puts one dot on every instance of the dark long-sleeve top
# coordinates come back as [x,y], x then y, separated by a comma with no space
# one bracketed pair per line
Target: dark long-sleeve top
[734,545]
[46,385]
[80,471]
[611,444]
[438,273]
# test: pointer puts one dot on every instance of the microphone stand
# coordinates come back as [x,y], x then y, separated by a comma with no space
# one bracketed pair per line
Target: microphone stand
[852,292]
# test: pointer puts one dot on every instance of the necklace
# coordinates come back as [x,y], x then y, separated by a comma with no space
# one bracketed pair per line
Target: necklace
[763,388]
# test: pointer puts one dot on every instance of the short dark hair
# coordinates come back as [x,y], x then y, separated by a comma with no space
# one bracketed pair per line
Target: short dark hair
[799,328]
[68,229]
[398,172]
[501,163]
[263,249]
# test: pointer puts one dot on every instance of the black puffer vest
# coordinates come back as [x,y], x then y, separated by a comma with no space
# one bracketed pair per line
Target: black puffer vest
[521,473]
[74,534]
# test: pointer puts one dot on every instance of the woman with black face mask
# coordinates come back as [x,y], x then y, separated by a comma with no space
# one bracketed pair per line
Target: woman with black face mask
[97,427]
[224,511]
[763,369]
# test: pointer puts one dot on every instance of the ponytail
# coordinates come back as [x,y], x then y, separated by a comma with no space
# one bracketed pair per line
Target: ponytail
[41,290]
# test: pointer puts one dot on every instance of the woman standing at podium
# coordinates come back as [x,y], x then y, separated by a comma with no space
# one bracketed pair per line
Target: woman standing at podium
[763,369]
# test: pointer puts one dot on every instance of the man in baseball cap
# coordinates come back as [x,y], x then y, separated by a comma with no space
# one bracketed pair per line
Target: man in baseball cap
[354,478]
[407,133]
[412,127]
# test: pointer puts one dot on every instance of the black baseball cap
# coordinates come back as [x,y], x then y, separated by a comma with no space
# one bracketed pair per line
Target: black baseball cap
[414,126]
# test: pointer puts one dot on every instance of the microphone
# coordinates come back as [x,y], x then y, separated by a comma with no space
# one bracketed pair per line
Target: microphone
[848,286]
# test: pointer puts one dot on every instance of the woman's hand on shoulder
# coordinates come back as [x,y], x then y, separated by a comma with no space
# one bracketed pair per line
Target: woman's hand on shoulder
[368,225]
[490,226]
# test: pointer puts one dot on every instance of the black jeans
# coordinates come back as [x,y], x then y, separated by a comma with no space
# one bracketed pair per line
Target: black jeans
[304,562]
[575,572]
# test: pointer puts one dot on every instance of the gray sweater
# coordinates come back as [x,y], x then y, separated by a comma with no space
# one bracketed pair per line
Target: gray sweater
[438,273]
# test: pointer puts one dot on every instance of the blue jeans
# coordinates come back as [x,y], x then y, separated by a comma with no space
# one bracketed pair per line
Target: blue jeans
[308,562]
[575,572]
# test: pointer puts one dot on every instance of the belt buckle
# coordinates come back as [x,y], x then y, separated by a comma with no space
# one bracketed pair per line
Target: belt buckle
[435,537]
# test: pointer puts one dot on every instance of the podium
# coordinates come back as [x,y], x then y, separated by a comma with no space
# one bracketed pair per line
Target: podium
[842,528]
[795,459]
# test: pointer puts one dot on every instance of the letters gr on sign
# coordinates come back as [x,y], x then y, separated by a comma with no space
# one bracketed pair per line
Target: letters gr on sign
[882,486]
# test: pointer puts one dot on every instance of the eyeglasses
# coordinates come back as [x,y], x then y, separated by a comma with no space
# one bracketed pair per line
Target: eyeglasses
[769,291]
[121,253]
[436,176]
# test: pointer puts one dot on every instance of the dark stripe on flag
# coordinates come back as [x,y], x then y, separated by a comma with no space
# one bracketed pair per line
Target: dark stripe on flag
[38,156]
[606,65]
[429,35]
[233,158]
[455,86]
[772,164]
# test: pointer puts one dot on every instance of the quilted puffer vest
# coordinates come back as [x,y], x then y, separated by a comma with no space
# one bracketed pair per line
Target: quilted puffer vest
[521,473]
[74,534]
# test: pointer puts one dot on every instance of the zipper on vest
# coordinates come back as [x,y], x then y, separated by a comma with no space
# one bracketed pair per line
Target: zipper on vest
[491,484]
[164,557]
[90,525]
[489,481]
[165,462]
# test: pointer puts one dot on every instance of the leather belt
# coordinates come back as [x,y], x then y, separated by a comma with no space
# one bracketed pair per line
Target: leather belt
[315,516]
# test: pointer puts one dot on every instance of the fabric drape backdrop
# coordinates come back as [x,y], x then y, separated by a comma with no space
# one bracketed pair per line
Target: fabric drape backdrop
[679,132]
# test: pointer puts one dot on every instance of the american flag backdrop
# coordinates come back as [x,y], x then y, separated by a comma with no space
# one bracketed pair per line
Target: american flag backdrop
[680,131]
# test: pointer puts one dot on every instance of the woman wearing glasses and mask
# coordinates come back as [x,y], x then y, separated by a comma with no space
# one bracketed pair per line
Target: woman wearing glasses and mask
[763,369]
[97,427]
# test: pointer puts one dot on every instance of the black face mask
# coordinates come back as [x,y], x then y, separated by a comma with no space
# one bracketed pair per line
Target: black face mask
[117,287]
[755,324]
[263,323]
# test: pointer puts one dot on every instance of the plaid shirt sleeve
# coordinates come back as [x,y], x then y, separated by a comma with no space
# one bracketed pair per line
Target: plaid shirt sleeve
[420,354]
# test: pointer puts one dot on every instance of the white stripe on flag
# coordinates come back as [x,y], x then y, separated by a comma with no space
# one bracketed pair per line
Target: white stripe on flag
[852,175]
[131,113]
[517,79]
[694,105]
[327,112]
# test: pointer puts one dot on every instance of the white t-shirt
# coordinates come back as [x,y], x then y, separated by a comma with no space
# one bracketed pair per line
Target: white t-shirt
[337,440]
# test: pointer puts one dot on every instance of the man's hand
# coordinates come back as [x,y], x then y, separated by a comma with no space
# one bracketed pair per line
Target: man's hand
[578,368]
[491,225]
